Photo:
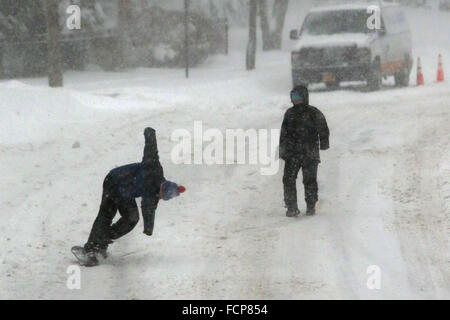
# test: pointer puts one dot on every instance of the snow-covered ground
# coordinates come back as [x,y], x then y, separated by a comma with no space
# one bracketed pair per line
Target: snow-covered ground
[384,185]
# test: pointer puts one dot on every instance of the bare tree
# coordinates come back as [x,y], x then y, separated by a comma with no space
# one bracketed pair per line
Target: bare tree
[123,21]
[272,27]
[55,75]
[1,63]
[251,48]
[186,37]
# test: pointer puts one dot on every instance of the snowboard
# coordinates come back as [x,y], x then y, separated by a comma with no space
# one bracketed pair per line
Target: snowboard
[83,258]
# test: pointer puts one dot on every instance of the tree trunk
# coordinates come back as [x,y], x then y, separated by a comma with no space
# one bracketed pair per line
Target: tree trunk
[123,20]
[272,33]
[251,48]
[55,75]
[2,68]
[186,38]
[265,25]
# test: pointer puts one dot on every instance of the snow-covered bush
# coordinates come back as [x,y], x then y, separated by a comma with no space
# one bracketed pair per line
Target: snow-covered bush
[154,35]
[23,48]
[21,20]
[157,37]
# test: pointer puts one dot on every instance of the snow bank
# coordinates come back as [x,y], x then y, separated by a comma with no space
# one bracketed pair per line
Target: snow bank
[31,114]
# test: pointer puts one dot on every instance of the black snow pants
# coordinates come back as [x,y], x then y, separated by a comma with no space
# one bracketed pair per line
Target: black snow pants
[104,231]
[309,170]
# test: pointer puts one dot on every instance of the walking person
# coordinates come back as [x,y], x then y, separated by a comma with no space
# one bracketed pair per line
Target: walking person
[304,131]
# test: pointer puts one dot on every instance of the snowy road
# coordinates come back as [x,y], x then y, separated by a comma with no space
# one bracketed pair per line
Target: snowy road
[384,188]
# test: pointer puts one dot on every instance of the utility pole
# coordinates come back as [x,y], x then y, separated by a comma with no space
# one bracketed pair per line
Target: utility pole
[251,48]
[1,60]
[55,74]
[123,21]
[186,36]
[227,28]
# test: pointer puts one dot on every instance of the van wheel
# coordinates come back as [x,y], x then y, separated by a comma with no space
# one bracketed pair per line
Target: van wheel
[375,77]
[402,77]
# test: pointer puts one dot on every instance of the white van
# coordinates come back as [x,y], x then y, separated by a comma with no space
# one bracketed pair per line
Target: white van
[338,44]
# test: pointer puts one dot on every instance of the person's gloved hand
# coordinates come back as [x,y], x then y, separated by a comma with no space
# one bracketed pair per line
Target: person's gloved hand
[148,132]
[148,229]
[324,145]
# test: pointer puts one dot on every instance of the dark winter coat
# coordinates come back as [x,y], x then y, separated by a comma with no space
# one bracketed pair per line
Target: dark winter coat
[142,179]
[303,132]
[130,182]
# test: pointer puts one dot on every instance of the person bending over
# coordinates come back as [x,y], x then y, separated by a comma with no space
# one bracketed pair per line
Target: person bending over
[121,187]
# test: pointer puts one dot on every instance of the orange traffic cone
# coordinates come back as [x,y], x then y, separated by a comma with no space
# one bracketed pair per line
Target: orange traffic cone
[440,74]
[420,79]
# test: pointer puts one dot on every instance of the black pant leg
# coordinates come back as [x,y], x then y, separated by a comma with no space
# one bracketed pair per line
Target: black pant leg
[291,168]
[129,218]
[310,182]
[100,235]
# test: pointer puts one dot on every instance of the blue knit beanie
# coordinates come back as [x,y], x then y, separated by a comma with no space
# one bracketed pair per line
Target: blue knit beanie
[169,190]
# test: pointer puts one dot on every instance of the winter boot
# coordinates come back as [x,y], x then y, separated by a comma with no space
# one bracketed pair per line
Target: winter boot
[292,213]
[91,259]
[85,257]
[310,208]
[103,252]
[99,251]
